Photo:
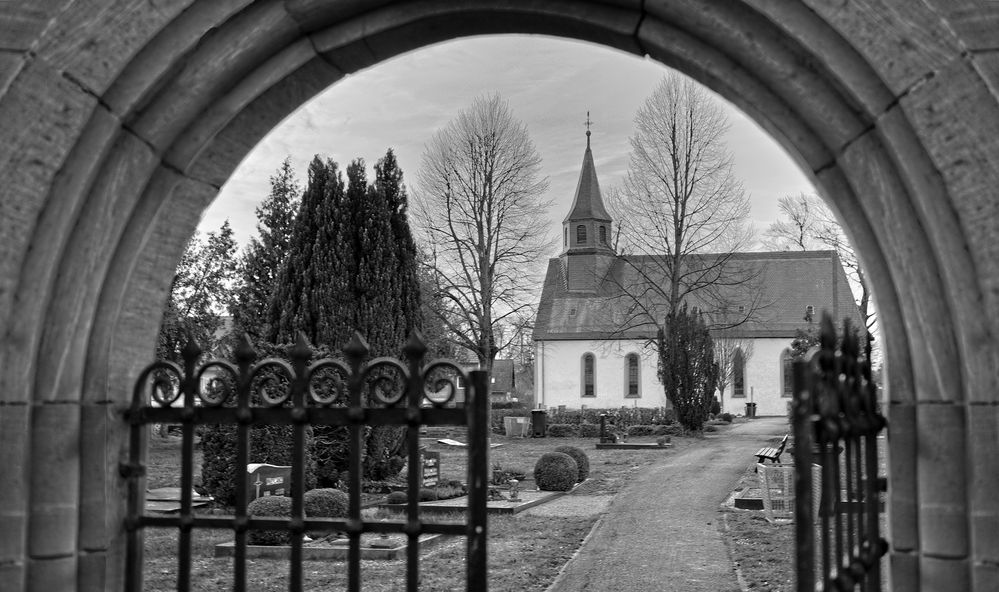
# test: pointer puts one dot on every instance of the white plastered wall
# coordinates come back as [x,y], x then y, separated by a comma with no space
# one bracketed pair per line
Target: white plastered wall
[764,381]
[558,374]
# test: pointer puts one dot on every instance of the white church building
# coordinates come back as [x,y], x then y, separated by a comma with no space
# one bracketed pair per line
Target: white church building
[588,354]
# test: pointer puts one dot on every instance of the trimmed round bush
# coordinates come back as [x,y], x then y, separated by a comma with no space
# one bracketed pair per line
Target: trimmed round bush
[582,461]
[397,497]
[726,417]
[589,430]
[270,506]
[427,495]
[555,471]
[325,503]
[562,430]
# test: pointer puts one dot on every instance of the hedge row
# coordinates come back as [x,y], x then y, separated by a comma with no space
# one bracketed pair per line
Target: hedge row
[622,417]
[589,430]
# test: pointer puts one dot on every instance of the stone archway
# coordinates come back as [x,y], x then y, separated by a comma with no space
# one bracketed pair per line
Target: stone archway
[120,120]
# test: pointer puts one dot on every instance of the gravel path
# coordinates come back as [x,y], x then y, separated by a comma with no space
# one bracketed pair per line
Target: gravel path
[662,532]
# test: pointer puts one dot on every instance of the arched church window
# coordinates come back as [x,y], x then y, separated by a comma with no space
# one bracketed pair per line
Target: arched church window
[603,235]
[738,373]
[589,375]
[632,368]
[581,234]
[565,237]
[787,375]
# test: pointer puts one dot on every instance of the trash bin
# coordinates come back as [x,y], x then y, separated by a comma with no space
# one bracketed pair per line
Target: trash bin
[750,409]
[539,423]
[515,426]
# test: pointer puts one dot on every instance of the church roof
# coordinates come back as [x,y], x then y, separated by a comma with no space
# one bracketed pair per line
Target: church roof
[588,204]
[789,281]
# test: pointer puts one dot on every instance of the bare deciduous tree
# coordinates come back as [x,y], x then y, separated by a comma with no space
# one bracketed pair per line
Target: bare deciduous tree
[807,223]
[479,208]
[687,214]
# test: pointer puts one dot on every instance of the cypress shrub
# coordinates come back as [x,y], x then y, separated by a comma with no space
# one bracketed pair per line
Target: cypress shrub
[325,503]
[555,471]
[270,506]
[397,497]
[582,461]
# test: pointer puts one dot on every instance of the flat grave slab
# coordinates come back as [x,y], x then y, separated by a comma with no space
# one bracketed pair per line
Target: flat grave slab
[528,499]
[750,498]
[167,499]
[373,546]
[631,446]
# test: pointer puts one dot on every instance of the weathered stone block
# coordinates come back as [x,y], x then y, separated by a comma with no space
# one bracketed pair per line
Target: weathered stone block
[221,59]
[93,39]
[10,64]
[200,133]
[904,571]
[828,47]
[137,283]
[228,147]
[41,116]
[678,49]
[21,23]
[52,573]
[95,239]
[966,152]
[14,440]
[974,21]
[983,448]
[54,503]
[902,41]
[942,479]
[936,573]
[888,207]
[145,73]
[903,500]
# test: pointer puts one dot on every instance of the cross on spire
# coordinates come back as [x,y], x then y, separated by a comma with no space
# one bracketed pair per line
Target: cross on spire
[588,122]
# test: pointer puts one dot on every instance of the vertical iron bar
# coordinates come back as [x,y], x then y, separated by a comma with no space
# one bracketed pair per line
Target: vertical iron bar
[300,355]
[356,352]
[135,474]
[804,524]
[189,388]
[849,502]
[414,351]
[244,359]
[478,466]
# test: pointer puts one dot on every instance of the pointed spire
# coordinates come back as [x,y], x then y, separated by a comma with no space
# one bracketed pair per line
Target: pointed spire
[588,203]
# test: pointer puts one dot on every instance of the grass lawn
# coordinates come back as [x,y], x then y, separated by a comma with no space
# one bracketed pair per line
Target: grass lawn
[525,551]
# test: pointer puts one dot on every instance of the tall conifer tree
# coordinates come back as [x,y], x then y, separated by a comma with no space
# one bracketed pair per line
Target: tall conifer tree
[261,261]
[351,267]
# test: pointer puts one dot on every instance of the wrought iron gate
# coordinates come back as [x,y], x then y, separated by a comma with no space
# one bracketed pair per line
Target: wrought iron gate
[837,486]
[382,392]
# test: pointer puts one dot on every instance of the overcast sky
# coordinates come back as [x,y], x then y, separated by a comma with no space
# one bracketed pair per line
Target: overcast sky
[550,85]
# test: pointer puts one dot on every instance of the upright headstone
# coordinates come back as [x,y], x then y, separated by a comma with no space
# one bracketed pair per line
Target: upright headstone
[264,480]
[431,466]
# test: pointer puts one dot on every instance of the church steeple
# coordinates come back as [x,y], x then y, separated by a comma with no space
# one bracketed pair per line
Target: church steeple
[587,228]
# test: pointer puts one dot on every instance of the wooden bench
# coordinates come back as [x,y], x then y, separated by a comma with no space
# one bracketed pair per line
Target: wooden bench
[771,453]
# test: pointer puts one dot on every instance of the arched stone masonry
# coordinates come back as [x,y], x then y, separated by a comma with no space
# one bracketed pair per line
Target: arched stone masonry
[119,120]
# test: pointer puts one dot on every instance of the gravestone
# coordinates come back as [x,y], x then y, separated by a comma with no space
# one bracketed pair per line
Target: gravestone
[264,480]
[431,465]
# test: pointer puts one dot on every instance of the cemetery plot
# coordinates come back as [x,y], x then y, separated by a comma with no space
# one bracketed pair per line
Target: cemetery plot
[373,546]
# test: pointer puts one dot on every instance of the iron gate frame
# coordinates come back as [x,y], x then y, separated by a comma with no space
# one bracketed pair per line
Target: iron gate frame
[835,411]
[166,383]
